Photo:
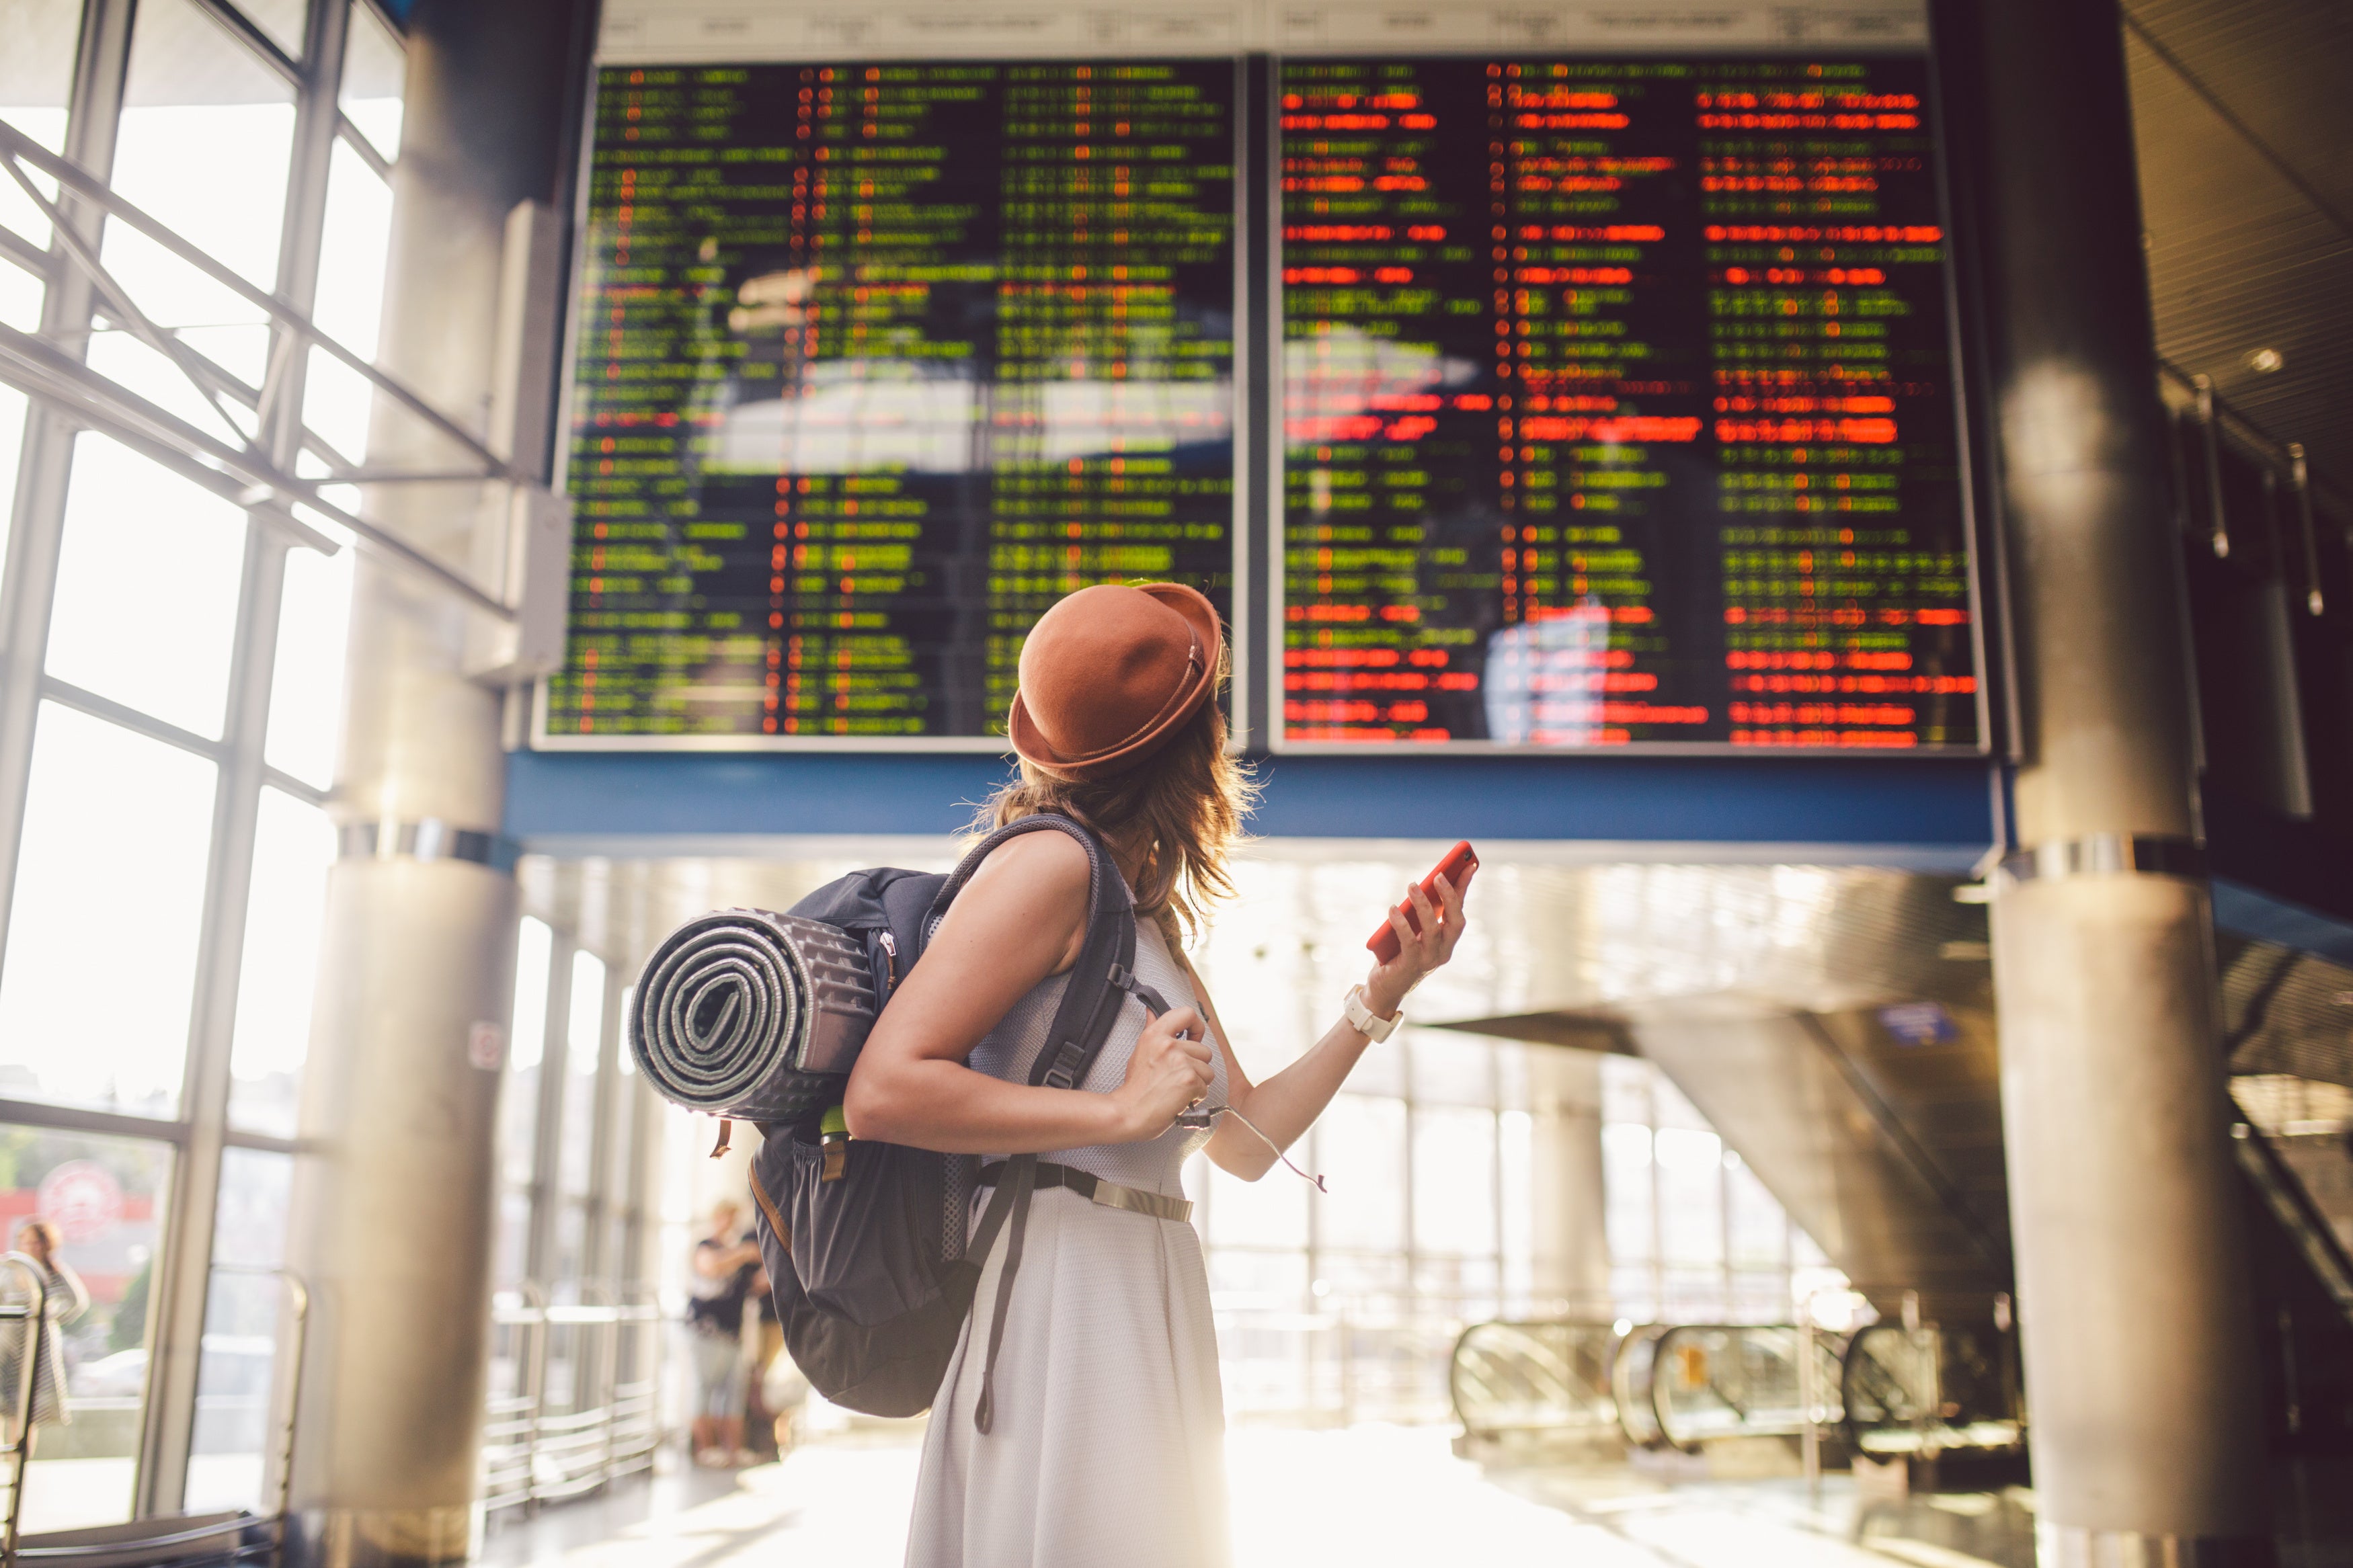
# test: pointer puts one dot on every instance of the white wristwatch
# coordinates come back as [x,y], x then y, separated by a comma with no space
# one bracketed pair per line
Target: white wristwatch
[1367,1022]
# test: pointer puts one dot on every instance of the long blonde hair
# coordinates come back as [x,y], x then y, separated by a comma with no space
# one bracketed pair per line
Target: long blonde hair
[1179,812]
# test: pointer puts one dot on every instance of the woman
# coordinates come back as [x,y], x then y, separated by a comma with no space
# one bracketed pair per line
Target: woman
[68,1300]
[718,1276]
[1107,1418]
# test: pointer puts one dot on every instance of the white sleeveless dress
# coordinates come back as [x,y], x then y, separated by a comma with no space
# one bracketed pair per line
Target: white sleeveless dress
[1108,1443]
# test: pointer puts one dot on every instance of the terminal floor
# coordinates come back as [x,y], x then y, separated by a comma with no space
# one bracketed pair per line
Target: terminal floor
[1369,1496]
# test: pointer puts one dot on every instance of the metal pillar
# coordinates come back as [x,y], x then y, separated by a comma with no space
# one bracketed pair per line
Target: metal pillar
[2137,1333]
[396,1189]
[1570,1255]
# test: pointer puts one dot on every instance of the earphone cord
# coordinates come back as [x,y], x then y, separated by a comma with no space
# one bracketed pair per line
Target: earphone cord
[1208,1116]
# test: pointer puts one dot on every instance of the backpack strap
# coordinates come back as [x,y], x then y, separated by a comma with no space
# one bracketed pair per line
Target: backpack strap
[1103,975]
[1101,981]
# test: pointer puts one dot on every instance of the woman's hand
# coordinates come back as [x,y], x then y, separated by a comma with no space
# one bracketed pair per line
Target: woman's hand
[1171,1070]
[1418,953]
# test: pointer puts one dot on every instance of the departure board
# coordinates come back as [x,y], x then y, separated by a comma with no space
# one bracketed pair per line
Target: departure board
[872,363]
[1620,406]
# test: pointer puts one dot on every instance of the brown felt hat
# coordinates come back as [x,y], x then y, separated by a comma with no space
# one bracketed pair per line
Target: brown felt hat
[1109,673]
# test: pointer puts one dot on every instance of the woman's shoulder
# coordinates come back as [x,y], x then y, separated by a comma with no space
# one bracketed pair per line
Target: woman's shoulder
[1054,864]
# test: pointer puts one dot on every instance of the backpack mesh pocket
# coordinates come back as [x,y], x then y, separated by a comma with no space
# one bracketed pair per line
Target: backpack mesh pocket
[864,1246]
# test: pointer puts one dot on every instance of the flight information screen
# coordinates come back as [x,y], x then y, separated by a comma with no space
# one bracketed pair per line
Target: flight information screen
[873,363]
[1618,406]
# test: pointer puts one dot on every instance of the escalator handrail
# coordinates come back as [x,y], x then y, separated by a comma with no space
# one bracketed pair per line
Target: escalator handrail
[2314,1233]
[185,1536]
[1455,1360]
[1932,1337]
[1622,1387]
[1658,1389]
[1850,1428]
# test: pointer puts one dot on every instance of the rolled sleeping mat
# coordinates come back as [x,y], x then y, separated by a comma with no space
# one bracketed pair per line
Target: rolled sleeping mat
[749,1013]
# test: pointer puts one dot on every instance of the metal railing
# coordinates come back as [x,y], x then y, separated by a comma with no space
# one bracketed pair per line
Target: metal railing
[230,1537]
[298,1297]
[32,1340]
[579,1405]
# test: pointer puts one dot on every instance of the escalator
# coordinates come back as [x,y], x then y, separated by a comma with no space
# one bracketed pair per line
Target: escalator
[1520,1387]
[1851,1062]
[1885,1392]
[1883,1140]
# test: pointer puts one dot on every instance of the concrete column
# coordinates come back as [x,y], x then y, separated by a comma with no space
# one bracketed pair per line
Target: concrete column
[395,1192]
[1569,1251]
[2138,1340]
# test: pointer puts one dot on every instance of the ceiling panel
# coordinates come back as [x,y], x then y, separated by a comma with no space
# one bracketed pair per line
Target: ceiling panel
[2243,122]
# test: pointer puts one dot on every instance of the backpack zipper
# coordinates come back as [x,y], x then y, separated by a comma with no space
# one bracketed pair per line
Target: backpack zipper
[890,956]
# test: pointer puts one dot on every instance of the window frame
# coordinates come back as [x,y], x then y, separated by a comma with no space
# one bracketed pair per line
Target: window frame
[200,1134]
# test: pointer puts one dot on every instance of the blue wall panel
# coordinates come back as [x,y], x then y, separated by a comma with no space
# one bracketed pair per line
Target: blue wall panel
[571,798]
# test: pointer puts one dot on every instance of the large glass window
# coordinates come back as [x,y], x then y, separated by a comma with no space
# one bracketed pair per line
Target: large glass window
[337,400]
[1344,1303]
[204,147]
[294,846]
[306,693]
[105,1195]
[281,21]
[1365,1136]
[1454,1181]
[584,1037]
[242,1366]
[374,70]
[36,76]
[519,1099]
[207,139]
[147,588]
[102,936]
[14,405]
[621,1199]
[1693,1234]
[527,1043]
[126,835]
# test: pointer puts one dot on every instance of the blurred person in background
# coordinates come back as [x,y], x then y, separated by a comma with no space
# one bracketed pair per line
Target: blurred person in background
[775,1388]
[719,1271]
[67,1300]
[764,1337]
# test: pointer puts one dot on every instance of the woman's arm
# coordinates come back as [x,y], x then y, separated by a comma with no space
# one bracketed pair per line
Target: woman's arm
[80,1291]
[1021,917]
[719,1262]
[1285,1105]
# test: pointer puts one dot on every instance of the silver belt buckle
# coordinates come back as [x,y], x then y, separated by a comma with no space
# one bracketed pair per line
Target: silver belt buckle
[1111,1195]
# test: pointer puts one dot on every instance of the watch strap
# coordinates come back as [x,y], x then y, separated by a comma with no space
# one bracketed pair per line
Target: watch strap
[1364,1021]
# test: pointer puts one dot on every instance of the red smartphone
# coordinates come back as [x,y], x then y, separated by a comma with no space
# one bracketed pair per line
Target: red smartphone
[1457,860]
